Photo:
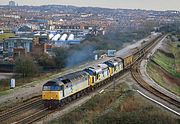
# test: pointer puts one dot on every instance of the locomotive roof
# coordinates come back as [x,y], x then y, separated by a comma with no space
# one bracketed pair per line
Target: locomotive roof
[66,78]
[95,69]
[53,82]
[113,62]
[103,66]
[72,76]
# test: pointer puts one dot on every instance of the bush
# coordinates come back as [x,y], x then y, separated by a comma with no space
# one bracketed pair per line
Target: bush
[60,57]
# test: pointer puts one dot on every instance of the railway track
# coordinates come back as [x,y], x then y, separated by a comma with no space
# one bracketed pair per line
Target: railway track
[21,108]
[138,77]
[34,117]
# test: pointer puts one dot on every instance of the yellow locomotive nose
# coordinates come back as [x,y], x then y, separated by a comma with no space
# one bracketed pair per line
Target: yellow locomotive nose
[51,95]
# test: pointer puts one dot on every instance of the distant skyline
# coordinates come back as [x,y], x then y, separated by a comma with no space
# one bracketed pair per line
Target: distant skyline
[125,4]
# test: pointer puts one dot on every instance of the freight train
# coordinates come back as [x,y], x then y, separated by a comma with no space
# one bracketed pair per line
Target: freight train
[63,89]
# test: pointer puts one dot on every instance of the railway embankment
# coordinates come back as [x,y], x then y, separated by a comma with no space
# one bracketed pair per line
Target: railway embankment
[160,72]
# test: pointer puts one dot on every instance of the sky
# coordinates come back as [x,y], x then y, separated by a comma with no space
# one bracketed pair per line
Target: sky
[127,4]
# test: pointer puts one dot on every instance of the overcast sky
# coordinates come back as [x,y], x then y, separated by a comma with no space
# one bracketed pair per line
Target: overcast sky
[137,4]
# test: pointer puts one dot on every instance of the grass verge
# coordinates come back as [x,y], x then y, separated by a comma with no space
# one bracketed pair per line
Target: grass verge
[156,73]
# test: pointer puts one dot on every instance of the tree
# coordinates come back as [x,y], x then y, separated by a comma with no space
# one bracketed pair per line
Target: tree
[61,55]
[26,66]
[44,60]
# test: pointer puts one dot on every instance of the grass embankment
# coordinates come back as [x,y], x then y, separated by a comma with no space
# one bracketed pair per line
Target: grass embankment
[119,106]
[164,68]
[6,35]
[169,64]
[176,51]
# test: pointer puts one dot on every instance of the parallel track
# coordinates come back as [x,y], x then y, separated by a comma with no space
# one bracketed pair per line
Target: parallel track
[138,77]
[12,112]
[34,117]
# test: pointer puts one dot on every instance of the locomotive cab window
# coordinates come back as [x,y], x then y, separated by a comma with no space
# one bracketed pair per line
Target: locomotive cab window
[52,88]
[46,88]
[55,88]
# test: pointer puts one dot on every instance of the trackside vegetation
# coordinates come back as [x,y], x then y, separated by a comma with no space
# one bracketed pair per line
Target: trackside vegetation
[121,106]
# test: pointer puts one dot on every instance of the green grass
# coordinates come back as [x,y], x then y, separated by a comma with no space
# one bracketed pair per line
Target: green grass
[6,35]
[166,63]
[176,52]
[154,72]
[119,106]
[170,64]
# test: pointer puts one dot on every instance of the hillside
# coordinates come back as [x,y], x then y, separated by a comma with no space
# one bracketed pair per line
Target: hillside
[164,66]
